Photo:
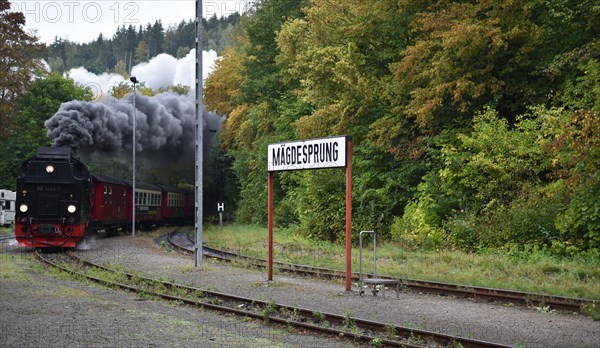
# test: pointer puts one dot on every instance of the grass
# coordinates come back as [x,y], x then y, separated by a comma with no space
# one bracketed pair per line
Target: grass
[7,231]
[538,272]
[12,267]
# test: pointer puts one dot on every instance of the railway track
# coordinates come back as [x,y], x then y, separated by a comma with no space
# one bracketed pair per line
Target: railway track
[359,330]
[183,242]
[4,238]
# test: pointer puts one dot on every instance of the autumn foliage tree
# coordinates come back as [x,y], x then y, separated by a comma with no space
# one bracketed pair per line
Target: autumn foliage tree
[19,61]
[470,119]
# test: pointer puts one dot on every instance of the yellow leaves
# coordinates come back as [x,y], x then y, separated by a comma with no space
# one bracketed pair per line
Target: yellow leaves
[222,86]
[451,68]
[290,39]
[229,131]
[124,88]
[324,122]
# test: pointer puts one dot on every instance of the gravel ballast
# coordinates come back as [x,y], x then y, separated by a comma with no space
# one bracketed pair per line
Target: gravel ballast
[516,326]
[41,308]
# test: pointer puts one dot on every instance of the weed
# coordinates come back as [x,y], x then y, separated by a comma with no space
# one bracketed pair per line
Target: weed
[390,331]
[319,316]
[591,309]
[348,323]
[212,288]
[269,310]
[295,316]
[545,309]
[197,294]
[165,247]
[454,344]
[413,339]
[376,342]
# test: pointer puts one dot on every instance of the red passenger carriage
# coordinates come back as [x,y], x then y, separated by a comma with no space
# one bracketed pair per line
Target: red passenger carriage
[59,202]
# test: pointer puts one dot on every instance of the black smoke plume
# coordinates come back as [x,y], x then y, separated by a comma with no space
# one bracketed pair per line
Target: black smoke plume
[102,129]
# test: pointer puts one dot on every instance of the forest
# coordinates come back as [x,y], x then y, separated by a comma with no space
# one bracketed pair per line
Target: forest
[475,124]
[130,45]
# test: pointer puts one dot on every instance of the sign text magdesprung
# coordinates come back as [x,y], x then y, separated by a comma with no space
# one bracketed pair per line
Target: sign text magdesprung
[307,154]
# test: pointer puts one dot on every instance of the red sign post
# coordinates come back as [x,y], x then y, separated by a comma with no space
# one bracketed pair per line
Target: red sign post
[333,152]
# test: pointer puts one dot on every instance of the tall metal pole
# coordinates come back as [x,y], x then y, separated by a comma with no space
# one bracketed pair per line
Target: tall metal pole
[270,227]
[199,129]
[349,216]
[134,80]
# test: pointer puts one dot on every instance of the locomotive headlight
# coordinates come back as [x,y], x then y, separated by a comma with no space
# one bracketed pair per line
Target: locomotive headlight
[71,208]
[23,208]
[49,169]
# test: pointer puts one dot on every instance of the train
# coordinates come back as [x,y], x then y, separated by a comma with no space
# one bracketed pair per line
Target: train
[60,201]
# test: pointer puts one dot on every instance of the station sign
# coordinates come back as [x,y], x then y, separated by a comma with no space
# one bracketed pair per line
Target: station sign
[308,154]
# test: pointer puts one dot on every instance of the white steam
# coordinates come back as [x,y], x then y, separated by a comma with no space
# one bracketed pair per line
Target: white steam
[161,71]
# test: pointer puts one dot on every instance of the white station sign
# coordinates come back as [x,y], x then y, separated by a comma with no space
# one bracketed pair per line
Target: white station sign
[307,154]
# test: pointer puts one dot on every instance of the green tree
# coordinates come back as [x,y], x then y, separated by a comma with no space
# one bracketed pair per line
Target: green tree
[253,106]
[142,52]
[123,88]
[222,92]
[421,85]
[336,58]
[38,104]
[20,54]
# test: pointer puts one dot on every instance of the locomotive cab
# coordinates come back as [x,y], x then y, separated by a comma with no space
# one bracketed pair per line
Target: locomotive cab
[53,190]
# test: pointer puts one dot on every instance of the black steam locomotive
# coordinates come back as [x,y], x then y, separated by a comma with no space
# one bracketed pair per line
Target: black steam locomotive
[59,201]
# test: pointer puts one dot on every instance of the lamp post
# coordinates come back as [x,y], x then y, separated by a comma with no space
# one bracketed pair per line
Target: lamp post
[135,82]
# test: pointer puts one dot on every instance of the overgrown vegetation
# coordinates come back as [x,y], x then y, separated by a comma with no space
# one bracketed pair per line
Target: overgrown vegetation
[474,124]
[520,267]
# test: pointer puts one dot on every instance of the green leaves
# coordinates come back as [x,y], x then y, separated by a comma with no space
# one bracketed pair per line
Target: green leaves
[472,122]
[37,105]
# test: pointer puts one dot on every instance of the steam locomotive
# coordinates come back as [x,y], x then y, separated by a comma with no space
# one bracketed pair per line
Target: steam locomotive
[59,201]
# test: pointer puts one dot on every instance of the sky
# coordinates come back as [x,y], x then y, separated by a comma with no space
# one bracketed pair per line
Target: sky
[83,21]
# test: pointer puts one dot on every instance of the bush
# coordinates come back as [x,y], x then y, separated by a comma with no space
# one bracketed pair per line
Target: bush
[418,226]
[580,223]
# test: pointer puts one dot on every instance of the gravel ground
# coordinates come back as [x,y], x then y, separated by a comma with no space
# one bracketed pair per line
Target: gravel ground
[41,308]
[515,326]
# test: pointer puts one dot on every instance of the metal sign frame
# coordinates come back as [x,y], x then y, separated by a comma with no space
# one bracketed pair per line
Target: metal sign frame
[300,155]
